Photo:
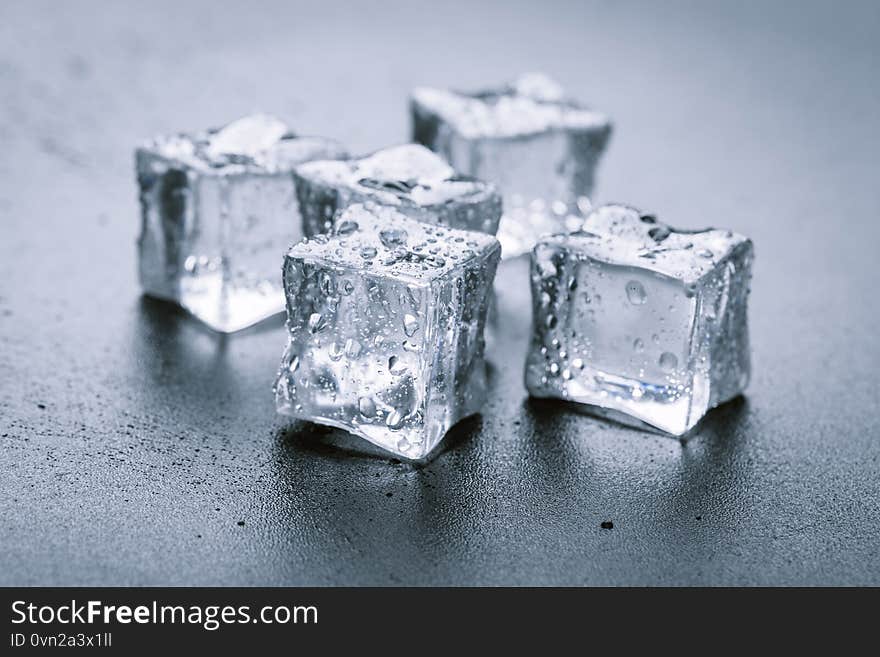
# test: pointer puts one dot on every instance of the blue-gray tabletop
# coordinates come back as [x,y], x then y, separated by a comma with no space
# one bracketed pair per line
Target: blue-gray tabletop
[139,448]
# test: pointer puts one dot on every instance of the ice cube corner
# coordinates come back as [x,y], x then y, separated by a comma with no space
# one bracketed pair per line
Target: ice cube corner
[218,210]
[385,328]
[633,317]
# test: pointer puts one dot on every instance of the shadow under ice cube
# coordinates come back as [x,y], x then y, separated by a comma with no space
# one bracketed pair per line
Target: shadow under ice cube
[634,317]
[540,147]
[416,181]
[385,323]
[218,209]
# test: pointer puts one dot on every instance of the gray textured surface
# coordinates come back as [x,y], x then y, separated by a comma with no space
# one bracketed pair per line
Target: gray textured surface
[133,441]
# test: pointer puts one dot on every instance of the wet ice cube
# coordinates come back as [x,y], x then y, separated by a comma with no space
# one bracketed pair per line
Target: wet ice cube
[414,180]
[218,209]
[540,147]
[638,318]
[385,323]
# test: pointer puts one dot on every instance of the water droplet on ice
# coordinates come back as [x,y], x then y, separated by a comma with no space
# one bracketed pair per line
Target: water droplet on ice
[668,361]
[352,348]
[368,252]
[346,228]
[659,233]
[394,420]
[636,294]
[638,345]
[366,407]
[316,322]
[410,325]
[403,445]
[336,351]
[392,237]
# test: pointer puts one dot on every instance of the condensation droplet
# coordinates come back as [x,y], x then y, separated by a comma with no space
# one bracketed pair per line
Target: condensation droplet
[336,351]
[394,420]
[410,325]
[393,237]
[352,348]
[668,361]
[636,294]
[316,322]
[346,228]
[366,407]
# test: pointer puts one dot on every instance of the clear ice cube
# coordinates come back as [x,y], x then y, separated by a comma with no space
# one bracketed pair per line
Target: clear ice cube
[540,147]
[638,318]
[218,210]
[414,180]
[385,324]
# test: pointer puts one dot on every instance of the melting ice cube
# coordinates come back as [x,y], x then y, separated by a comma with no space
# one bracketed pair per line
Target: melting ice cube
[218,209]
[385,321]
[636,317]
[538,146]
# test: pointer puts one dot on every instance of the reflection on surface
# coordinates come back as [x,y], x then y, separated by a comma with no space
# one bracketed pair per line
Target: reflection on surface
[201,373]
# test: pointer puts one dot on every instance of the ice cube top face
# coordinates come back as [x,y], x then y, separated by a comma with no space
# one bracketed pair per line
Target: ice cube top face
[385,322]
[638,318]
[218,211]
[411,178]
[540,148]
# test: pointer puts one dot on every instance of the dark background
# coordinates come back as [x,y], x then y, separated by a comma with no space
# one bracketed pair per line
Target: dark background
[135,443]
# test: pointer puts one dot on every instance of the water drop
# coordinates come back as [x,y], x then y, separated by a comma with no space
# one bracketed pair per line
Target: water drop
[638,345]
[403,445]
[368,252]
[550,321]
[293,365]
[393,237]
[659,233]
[352,348]
[316,322]
[346,228]
[578,363]
[410,325]
[668,361]
[366,407]
[636,294]
[326,284]
[394,420]
[336,351]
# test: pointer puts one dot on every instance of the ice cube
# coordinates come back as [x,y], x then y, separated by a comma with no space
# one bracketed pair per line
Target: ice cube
[414,180]
[538,146]
[385,321]
[218,209]
[638,318]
